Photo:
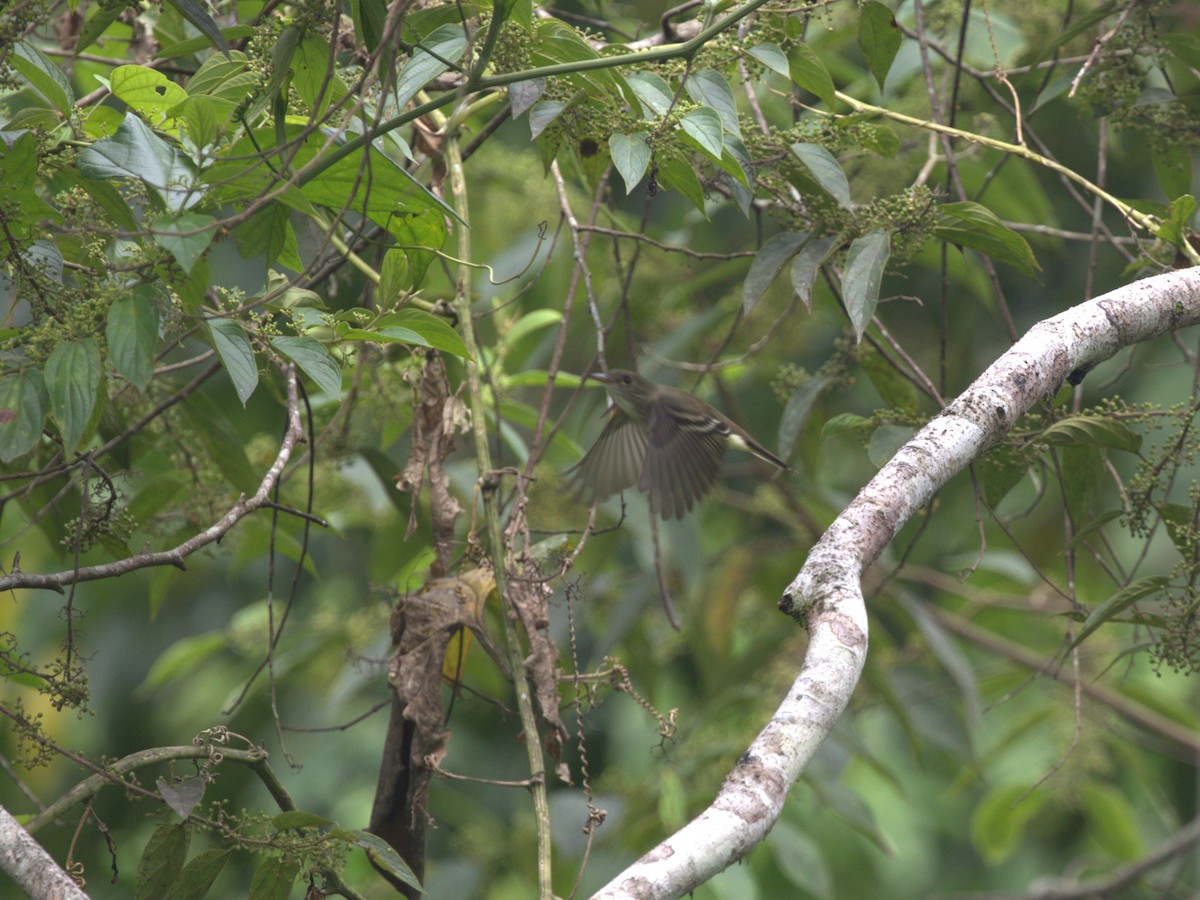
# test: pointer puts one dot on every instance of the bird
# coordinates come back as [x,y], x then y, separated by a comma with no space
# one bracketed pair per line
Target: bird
[664,440]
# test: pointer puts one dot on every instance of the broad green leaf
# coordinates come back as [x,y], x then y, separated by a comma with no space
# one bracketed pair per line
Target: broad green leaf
[95,26]
[382,854]
[418,235]
[154,495]
[704,126]
[796,413]
[675,174]
[370,17]
[137,152]
[194,12]
[532,321]
[999,821]
[896,391]
[196,878]
[314,361]
[631,155]
[968,224]
[294,819]
[885,441]
[161,861]
[237,356]
[183,659]
[72,376]
[395,277]
[771,56]
[273,879]
[542,114]
[1173,168]
[316,85]
[652,91]
[185,236]
[1092,430]
[810,73]
[807,265]
[878,38]
[24,210]
[826,170]
[770,259]
[210,423]
[41,72]
[709,88]
[434,56]
[187,47]
[146,90]
[107,197]
[45,258]
[265,233]
[132,336]
[865,262]
[845,423]
[223,78]
[415,326]
[1111,821]
[1180,524]
[1116,604]
[23,404]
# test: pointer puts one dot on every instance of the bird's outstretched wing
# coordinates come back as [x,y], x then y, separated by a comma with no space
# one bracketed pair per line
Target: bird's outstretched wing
[683,457]
[615,461]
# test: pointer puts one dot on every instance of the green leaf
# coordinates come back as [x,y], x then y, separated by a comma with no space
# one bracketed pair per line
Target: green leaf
[295,819]
[194,45]
[709,88]
[631,155]
[799,408]
[1092,430]
[210,423]
[998,822]
[1181,525]
[382,854]
[542,114]
[148,91]
[137,152]
[968,224]
[808,264]
[370,17]
[410,326]
[523,94]
[878,38]
[444,46]
[273,879]
[1111,821]
[1117,604]
[23,402]
[1173,169]
[161,861]
[72,381]
[314,361]
[95,26]
[770,259]
[132,336]
[316,85]
[704,126]
[195,13]
[896,391]
[652,92]
[418,235]
[23,208]
[182,660]
[532,321]
[237,356]
[771,56]
[185,236]
[845,423]
[41,72]
[677,175]
[865,262]
[810,73]
[107,197]
[197,877]
[826,170]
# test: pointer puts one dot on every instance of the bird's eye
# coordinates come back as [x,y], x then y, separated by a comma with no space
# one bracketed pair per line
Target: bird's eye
[627,380]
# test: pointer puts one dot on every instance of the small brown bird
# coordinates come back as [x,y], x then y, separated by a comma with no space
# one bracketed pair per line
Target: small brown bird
[666,441]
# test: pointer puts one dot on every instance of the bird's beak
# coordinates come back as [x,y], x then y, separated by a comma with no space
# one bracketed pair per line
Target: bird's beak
[602,377]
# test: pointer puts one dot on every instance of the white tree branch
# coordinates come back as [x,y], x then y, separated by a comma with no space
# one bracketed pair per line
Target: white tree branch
[30,866]
[828,590]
